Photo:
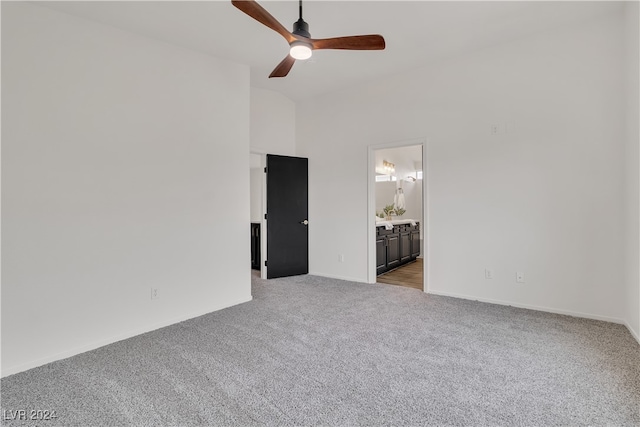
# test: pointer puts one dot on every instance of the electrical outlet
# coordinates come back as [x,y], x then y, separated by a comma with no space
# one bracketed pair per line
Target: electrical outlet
[154,293]
[499,128]
[341,258]
[488,273]
[520,277]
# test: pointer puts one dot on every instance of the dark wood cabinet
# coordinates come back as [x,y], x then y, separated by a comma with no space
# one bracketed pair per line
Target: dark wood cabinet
[381,255]
[405,246]
[255,245]
[393,251]
[397,246]
[415,243]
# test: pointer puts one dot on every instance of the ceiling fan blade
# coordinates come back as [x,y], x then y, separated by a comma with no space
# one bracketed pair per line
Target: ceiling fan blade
[283,67]
[369,42]
[257,12]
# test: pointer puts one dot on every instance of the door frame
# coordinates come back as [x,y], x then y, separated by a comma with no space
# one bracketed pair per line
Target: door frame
[263,221]
[371,206]
[287,183]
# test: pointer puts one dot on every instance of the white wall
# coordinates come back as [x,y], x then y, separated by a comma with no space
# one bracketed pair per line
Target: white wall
[385,192]
[273,118]
[632,157]
[116,152]
[273,131]
[544,198]
[256,176]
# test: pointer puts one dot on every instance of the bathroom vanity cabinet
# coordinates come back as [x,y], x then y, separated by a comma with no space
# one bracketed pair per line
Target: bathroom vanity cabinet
[397,246]
[255,245]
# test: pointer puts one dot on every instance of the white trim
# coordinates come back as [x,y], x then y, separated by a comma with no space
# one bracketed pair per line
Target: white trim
[532,307]
[331,276]
[635,334]
[425,218]
[400,144]
[263,222]
[371,208]
[101,343]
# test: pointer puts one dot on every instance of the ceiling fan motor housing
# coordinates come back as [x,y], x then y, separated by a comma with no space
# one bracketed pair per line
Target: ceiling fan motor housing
[301,28]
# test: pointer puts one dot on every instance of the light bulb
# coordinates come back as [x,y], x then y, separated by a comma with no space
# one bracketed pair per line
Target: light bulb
[300,50]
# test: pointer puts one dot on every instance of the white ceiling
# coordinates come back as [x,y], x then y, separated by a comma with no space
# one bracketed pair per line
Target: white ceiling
[416,32]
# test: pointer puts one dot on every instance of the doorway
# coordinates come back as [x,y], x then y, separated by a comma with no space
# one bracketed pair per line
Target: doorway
[279,215]
[397,214]
[287,216]
[257,210]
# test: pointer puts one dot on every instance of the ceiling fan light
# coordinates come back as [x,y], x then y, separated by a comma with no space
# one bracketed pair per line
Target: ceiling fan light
[300,50]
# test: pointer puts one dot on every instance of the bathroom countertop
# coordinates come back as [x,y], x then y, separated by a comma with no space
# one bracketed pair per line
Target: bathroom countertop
[394,222]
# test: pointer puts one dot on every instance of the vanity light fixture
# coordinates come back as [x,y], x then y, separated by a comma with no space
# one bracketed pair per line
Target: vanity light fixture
[388,167]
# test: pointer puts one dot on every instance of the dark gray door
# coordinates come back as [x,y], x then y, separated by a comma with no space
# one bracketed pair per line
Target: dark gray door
[287,216]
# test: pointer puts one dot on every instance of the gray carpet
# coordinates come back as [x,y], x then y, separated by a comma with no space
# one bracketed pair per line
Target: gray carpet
[317,351]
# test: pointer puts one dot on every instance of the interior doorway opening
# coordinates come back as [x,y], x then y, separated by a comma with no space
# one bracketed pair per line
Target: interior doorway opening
[397,211]
[279,215]
[257,205]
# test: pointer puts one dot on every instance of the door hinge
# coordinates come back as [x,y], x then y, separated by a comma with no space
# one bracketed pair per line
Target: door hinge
[265,170]
[265,263]
[265,216]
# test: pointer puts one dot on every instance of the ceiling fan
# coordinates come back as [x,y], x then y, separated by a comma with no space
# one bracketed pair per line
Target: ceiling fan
[300,41]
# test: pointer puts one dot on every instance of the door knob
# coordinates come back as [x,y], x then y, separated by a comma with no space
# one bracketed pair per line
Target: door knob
[305,222]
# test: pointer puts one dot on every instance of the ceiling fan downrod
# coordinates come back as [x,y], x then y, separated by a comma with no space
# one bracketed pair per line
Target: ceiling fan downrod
[301,28]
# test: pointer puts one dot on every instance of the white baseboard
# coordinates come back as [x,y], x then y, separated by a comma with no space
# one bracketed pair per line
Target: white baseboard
[101,343]
[331,276]
[533,307]
[634,333]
